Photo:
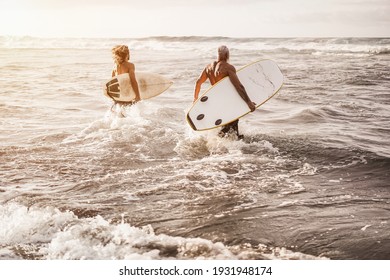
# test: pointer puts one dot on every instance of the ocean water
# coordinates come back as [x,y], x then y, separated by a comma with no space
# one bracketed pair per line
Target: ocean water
[310,180]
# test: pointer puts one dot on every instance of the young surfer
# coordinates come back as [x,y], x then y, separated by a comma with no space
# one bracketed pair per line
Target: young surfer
[121,56]
[215,72]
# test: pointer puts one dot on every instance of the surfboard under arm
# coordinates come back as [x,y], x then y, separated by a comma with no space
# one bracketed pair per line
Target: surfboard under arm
[150,85]
[221,103]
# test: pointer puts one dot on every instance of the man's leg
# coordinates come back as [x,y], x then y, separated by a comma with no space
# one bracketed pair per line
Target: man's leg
[230,127]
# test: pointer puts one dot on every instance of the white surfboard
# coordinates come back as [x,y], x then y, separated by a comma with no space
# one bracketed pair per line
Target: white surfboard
[221,103]
[119,87]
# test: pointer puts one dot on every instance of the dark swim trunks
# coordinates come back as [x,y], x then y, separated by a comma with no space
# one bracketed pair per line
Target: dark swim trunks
[230,128]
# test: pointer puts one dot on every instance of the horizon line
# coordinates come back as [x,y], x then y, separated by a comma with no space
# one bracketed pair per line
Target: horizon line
[193,36]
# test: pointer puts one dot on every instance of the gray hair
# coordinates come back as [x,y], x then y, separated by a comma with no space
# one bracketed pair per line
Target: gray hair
[223,53]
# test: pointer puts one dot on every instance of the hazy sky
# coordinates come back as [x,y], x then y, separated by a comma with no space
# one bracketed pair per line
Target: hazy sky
[236,18]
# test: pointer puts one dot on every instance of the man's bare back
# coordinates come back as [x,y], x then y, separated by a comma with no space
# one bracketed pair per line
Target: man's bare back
[122,65]
[215,72]
[218,70]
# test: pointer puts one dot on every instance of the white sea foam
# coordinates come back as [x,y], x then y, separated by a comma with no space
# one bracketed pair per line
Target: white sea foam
[51,234]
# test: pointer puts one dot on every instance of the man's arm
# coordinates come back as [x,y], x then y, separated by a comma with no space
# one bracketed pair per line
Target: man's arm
[240,88]
[133,81]
[202,78]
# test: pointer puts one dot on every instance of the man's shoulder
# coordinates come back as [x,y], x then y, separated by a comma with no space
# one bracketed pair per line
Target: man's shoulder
[130,65]
[229,67]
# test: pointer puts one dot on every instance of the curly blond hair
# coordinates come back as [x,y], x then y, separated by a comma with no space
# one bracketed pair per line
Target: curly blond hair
[120,53]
